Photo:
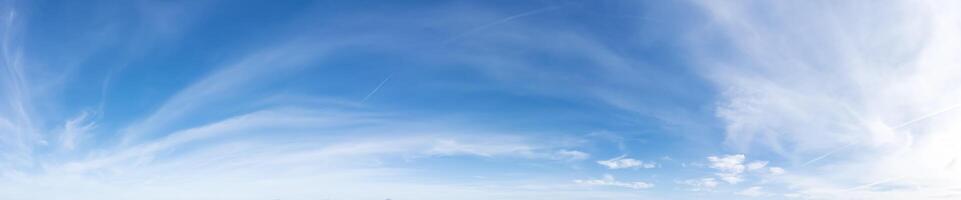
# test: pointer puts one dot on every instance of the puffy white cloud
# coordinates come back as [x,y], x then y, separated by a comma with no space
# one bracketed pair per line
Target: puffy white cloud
[608,180]
[729,167]
[728,163]
[622,162]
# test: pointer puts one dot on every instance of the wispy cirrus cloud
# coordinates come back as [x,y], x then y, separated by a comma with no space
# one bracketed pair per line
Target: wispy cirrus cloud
[227,82]
[18,126]
[702,184]
[489,101]
[227,118]
[75,130]
[865,94]
[608,180]
[623,162]
[208,154]
[755,191]
[290,144]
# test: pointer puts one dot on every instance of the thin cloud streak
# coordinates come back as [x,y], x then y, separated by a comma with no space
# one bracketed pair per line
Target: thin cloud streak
[498,22]
[226,82]
[927,116]
[372,92]
[902,125]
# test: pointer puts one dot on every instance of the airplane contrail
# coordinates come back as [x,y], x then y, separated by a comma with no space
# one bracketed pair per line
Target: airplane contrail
[501,21]
[956,106]
[376,88]
[873,184]
[902,125]
[827,154]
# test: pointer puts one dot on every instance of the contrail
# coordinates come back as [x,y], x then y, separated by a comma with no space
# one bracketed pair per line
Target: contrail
[956,106]
[376,88]
[501,21]
[827,154]
[902,125]
[873,184]
[856,115]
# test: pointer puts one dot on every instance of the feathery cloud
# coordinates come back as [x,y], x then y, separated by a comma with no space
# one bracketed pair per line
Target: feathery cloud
[623,162]
[702,184]
[608,180]
[871,97]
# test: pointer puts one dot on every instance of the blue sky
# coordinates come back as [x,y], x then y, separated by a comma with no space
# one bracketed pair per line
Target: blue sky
[479,100]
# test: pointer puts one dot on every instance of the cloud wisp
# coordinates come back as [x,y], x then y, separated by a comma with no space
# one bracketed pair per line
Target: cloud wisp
[871,90]
[608,180]
[623,162]
[532,100]
[374,91]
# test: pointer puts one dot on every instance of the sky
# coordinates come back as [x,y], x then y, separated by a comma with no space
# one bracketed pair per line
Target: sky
[513,100]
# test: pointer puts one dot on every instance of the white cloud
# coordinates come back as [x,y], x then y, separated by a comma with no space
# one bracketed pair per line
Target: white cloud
[74,129]
[728,163]
[732,168]
[756,165]
[755,191]
[622,162]
[256,69]
[233,150]
[455,147]
[730,177]
[703,184]
[608,180]
[494,145]
[776,170]
[874,93]
[571,155]
[729,167]
[19,131]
